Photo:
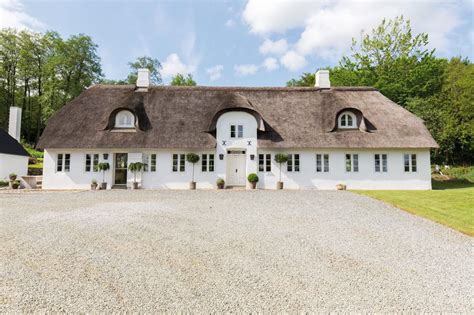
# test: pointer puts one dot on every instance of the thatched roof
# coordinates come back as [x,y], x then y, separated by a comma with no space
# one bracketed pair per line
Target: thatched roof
[184,117]
[8,145]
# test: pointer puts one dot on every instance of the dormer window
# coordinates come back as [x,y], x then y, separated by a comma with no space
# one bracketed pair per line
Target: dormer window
[347,120]
[124,119]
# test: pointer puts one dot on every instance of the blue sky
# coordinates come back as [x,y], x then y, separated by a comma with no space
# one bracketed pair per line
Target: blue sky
[248,43]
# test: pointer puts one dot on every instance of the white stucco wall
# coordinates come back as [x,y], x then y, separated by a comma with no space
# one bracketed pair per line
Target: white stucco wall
[306,178]
[9,163]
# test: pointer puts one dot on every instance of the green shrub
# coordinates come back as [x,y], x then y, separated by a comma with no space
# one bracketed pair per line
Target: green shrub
[220,181]
[252,178]
[31,151]
[3,183]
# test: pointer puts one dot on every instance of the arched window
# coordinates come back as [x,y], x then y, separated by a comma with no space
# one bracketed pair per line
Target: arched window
[124,119]
[347,120]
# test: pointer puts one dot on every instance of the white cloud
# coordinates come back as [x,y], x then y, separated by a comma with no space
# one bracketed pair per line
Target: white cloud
[173,65]
[328,27]
[270,64]
[12,14]
[215,72]
[293,61]
[243,70]
[229,23]
[273,47]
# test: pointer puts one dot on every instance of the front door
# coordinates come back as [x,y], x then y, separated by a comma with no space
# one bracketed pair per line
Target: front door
[236,161]
[121,168]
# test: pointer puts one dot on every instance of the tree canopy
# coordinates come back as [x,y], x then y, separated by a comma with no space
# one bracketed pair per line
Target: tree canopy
[180,80]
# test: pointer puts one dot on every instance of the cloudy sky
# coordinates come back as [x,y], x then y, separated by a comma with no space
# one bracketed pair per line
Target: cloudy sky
[254,42]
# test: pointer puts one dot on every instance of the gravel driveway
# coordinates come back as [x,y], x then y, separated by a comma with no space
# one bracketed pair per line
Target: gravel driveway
[245,251]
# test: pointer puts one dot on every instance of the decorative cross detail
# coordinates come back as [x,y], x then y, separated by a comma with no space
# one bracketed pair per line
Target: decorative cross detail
[224,142]
[249,142]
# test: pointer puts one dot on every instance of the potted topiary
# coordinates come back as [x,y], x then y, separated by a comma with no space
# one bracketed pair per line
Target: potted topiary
[253,180]
[220,183]
[94,184]
[103,167]
[15,184]
[135,168]
[12,176]
[193,159]
[280,159]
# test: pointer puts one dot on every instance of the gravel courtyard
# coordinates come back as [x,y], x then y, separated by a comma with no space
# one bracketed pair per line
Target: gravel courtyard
[241,251]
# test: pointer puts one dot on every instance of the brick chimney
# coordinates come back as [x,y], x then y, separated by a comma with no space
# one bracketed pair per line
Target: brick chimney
[322,79]
[14,123]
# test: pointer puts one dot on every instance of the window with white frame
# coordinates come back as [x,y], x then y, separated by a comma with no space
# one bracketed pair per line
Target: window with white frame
[380,162]
[409,162]
[265,162]
[352,162]
[293,163]
[63,162]
[347,120]
[236,131]
[179,162]
[149,161]
[125,119]
[207,162]
[322,163]
[91,162]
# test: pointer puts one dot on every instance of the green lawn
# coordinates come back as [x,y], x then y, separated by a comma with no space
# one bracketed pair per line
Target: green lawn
[450,203]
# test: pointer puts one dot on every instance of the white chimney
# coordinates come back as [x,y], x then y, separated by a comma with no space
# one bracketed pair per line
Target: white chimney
[14,123]
[322,79]
[143,79]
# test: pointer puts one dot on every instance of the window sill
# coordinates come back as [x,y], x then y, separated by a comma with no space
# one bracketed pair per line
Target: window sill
[124,130]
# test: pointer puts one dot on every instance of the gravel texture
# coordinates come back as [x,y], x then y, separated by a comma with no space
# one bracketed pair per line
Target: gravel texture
[221,251]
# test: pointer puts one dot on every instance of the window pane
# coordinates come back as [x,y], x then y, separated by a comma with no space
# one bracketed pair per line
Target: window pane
[349,121]
[59,163]
[348,163]
[289,164]
[211,162]
[413,162]
[67,162]
[153,163]
[406,159]
[204,163]
[175,162]
[240,130]
[261,163]
[232,131]
[326,162]
[318,163]
[384,162]
[343,120]
[268,162]
[88,163]
[355,158]
[377,162]
[297,162]
[95,162]
[182,162]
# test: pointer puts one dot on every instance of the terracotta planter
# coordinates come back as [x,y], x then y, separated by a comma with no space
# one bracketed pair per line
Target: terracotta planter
[93,186]
[253,185]
[135,185]
[279,185]
[103,186]
[192,185]
[341,187]
[15,184]
[220,186]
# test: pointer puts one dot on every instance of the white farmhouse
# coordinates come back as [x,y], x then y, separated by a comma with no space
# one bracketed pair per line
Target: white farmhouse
[13,157]
[332,135]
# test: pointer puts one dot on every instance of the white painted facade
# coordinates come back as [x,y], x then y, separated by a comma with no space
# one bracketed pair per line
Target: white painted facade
[10,163]
[241,154]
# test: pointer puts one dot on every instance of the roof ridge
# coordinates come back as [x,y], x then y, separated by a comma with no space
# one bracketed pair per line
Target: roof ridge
[238,88]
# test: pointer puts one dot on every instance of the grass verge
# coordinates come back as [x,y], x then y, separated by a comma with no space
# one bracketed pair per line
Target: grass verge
[451,202]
